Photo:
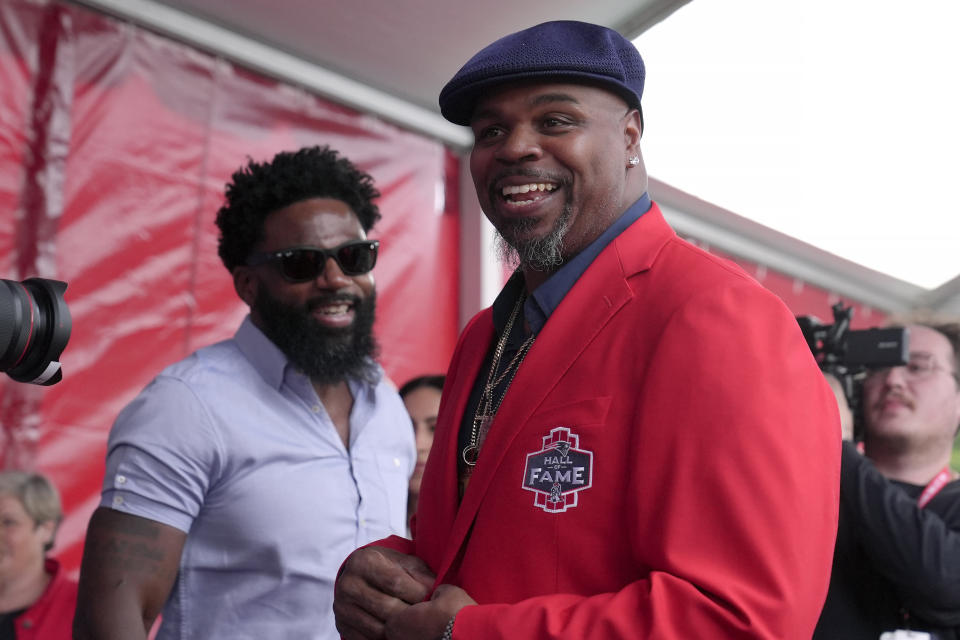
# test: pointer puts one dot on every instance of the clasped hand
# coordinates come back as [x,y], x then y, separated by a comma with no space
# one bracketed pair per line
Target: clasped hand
[380,596]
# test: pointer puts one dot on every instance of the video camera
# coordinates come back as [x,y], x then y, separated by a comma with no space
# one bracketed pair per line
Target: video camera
[35,326]
[850,354]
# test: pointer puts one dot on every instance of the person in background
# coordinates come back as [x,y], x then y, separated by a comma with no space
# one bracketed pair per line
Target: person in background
[37,600]
[896,568]
[421,397]
[635,440]
[241,477]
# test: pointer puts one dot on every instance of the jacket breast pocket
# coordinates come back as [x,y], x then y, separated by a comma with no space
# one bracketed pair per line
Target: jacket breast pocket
[559,446]
[583,412]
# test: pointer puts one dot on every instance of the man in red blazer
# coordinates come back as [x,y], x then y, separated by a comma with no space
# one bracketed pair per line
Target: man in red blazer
[634,441]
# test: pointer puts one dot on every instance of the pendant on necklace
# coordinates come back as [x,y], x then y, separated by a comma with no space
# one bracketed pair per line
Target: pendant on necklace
[481,425]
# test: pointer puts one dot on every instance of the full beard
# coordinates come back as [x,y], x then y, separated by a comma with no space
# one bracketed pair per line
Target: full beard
[326,355]
[515,247]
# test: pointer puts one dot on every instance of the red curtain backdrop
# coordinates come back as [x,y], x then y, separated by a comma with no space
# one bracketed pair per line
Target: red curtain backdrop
[115,145]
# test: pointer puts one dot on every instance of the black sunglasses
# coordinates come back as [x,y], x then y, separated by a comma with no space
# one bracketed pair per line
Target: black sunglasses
[302,264]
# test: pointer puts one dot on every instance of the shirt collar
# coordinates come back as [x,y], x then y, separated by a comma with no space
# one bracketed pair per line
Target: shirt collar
[547,297]
[260,351]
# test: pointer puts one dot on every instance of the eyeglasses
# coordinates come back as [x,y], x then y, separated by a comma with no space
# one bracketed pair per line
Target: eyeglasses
[302,264]
[920,366]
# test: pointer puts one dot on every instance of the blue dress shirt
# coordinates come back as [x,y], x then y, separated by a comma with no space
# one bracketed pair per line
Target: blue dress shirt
[233,447]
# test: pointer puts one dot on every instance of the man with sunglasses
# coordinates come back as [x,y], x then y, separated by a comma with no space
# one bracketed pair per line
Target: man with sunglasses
[242,476]
[635,440]
[897,562]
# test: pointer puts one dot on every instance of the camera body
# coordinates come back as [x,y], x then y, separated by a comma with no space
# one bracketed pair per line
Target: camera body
[849,355]
[35,326]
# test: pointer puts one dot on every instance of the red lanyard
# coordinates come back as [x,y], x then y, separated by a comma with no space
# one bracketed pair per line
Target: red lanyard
[933,488]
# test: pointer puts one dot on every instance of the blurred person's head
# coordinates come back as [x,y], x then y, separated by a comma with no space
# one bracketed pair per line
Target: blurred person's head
[421,396]
[915,409]
[30,513]
[293,233]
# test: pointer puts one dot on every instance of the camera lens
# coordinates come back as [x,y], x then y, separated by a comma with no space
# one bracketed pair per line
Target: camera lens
[34,329]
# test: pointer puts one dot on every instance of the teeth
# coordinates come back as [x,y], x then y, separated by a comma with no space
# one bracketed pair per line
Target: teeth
[526,188]
[334,310]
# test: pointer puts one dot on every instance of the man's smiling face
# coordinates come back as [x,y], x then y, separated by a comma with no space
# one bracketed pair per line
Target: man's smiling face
[323,325]
[549,166]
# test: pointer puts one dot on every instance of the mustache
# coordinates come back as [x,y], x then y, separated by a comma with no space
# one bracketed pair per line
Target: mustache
[896,396]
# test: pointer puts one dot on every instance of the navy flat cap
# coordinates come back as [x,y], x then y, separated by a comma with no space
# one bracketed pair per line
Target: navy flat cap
[563,50]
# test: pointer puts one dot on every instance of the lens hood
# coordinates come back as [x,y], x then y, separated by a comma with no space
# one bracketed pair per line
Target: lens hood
[35,326]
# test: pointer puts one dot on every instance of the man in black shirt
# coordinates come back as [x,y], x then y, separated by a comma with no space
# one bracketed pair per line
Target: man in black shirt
[897,563]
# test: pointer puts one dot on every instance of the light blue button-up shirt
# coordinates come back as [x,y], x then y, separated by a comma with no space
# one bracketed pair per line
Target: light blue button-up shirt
[233,446]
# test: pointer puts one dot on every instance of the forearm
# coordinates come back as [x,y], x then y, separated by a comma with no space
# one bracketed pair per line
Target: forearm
[108,616]
[128,569]
[108,608]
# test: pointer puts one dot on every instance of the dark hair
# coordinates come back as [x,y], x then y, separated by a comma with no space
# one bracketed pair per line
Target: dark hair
[951,331]
[944,325]
[434,381]
[258,189]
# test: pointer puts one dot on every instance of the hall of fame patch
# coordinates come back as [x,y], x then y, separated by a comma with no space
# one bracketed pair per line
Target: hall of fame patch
[559,471]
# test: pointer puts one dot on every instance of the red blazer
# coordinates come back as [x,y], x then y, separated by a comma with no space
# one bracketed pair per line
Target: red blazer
[664,465]
[51,616]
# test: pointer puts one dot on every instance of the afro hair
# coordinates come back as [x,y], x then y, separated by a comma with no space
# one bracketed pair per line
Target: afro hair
[258,189]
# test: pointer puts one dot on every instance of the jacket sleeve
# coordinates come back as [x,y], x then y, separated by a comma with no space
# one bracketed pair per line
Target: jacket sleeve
[734,488]
[916,549]
[403,545]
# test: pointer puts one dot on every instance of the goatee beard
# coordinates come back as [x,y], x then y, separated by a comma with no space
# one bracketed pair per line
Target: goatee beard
[538,254]
[326,355]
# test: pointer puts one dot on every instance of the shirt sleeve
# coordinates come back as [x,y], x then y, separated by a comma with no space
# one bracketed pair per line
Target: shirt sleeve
[163,454]
[916,549]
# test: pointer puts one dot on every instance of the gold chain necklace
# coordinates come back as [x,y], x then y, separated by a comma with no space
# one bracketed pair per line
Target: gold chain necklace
[488,405]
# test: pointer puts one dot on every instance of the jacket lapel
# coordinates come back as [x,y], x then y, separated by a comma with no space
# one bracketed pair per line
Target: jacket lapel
[440,508]
[596,297]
